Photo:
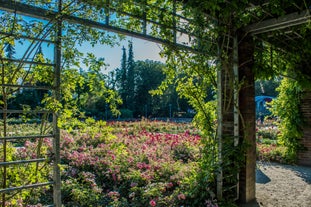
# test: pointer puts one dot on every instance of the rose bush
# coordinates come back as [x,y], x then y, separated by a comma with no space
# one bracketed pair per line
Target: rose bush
[133,164]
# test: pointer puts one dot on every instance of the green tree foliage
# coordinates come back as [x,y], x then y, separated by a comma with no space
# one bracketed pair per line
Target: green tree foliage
[10,50]
[267,87]
[192,80]
[134,81]
[122,75]
[94,95]
[148,76]
[287,108]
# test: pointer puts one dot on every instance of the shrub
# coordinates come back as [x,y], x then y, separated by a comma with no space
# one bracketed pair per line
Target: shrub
[139,166]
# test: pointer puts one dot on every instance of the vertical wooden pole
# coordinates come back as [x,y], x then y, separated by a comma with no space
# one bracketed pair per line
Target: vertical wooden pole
[236,116]
[248,124]
[4,143]
[174,21]
[144,18]
[107,13]
[219,131]
[228,132]
[236,90]
[56,140]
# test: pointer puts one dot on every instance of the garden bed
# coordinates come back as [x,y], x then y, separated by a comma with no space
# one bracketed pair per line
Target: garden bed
[144,163]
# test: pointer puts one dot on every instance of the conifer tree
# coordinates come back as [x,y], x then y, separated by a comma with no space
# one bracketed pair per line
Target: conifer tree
[10,50]
[123,89]
[130,77]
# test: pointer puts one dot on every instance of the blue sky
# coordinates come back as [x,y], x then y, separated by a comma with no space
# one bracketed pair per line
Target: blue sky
[142,50]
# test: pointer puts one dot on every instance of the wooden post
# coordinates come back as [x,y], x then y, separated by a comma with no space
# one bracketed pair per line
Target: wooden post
[247,120]
[56,140]
[304,156]
[219,132]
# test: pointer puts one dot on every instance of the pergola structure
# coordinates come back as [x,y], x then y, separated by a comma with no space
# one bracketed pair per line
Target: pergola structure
[236,117]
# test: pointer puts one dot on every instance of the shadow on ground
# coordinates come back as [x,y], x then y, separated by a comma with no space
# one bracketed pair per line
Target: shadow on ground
[261,177]
[301,171]
[251,204]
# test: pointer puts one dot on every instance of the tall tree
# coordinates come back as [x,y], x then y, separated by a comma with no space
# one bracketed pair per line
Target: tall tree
[40,52]
[123,74]
[130,77]
[94,93]
[148,77]
[10,50]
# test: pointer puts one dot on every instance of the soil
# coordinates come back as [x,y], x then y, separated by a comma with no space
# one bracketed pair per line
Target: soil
[280,185]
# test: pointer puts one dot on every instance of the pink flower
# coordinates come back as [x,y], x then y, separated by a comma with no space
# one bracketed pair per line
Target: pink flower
[114,195]
[152,203]
[133,185]
[181,196]
[170,184]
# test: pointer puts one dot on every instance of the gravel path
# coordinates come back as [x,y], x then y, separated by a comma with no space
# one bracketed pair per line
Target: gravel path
[282,185]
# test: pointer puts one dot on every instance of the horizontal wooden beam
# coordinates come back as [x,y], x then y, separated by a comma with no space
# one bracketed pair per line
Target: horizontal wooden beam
[26,61]
[27,10]
[41,13]
[279,23]
[35,185]
[20,36]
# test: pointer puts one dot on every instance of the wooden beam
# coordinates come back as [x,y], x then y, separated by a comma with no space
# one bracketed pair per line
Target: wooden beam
[41,13]
[27,10]
[282,22]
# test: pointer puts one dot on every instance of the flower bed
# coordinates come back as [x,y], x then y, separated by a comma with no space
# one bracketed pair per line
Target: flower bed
[131,164]
[268,147]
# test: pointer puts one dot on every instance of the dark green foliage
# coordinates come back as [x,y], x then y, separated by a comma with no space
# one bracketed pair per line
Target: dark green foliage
[126,113]
[10,50]
[148,76]
[135,80]
[130,77]
[267,87]
[122,75]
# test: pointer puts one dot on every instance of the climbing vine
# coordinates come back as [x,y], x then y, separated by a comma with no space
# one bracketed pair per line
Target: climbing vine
[287,108]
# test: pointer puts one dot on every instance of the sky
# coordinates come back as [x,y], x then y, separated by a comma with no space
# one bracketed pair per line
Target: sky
[142,50]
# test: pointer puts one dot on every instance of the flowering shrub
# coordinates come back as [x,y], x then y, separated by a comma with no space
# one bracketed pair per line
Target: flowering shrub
[268,148]
[133,164]
[26,174]
[271,152]
[136,165]
[268,132]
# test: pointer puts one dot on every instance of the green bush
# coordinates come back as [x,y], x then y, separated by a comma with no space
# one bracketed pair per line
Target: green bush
[126,114]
